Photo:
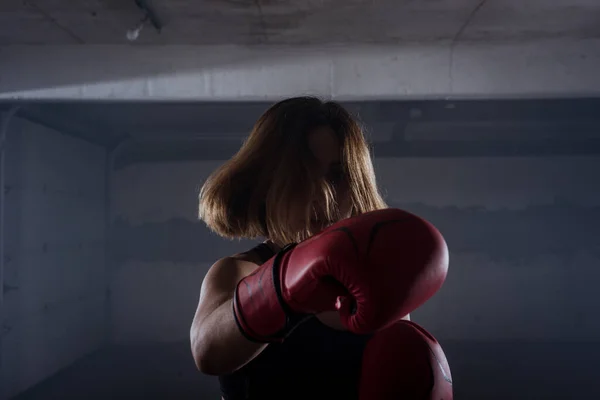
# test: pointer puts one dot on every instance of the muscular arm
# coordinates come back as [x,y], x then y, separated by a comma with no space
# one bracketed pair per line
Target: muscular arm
[217,344]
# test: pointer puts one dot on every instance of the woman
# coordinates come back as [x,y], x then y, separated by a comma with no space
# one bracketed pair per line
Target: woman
[305,166]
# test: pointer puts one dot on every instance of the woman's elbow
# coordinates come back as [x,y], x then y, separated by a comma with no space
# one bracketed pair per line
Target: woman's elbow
[206,365]
[208,354]
[204,359]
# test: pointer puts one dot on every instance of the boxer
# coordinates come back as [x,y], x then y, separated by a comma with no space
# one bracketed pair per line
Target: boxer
[320,309]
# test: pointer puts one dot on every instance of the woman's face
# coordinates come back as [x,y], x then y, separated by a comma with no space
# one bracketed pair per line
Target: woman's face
[325,146]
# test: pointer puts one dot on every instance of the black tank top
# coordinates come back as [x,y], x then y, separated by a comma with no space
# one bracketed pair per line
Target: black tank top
[313,362]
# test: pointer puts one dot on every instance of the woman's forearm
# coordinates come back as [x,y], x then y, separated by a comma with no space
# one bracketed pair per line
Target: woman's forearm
[218,345]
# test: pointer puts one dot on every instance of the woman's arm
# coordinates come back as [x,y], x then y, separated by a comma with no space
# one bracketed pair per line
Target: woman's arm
[218,346]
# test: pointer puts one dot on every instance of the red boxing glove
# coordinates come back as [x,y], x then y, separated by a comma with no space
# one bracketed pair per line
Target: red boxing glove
[386,263]
[404,361]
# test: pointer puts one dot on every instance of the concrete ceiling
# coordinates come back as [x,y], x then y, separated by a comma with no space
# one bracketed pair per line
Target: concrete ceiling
[258,22]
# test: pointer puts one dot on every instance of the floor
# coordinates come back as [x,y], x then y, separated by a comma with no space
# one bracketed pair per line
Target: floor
[141,372]
[481,371]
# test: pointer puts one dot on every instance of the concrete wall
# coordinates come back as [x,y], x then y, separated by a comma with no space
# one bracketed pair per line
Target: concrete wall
[161,252]
[516,315]
[55,298]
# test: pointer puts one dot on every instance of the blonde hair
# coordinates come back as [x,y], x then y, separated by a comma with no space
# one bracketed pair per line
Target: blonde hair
[274,177]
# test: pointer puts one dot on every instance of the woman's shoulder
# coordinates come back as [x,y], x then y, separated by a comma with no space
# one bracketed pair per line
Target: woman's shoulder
[258,254]
[236,266]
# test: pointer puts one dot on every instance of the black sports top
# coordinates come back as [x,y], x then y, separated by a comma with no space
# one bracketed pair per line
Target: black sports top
[313,362]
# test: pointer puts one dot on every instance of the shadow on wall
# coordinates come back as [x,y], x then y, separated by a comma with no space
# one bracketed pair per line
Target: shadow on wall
[178,240]
[561,229]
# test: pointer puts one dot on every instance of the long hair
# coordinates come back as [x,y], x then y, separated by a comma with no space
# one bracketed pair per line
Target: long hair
[268,189]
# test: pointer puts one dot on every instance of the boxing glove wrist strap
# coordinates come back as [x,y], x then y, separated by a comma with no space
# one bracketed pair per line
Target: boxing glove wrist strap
[259,309]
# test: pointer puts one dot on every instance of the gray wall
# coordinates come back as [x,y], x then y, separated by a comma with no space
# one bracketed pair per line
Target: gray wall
[515,316]
[55,307]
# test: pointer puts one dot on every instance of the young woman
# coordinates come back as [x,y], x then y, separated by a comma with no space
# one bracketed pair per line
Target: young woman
[305,166]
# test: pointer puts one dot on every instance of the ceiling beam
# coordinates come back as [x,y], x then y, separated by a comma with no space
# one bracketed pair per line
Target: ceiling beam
[223,150]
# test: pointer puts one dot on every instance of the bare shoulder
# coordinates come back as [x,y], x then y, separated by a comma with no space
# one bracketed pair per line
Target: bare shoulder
[225,273]
[219,283]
